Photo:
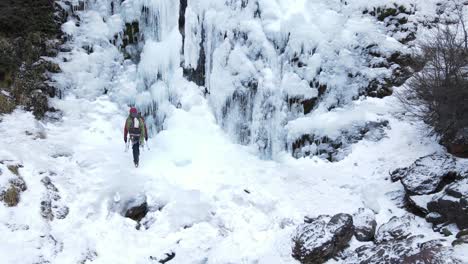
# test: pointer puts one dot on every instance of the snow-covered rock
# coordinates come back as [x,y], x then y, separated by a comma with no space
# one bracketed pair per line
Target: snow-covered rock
[398,228]
[417,204]
[364,224]
[409,250]
[396,243]
[336,147]
[137,208]
[11,183]
[452,204]
[321,238]
[462,238]
[427,174]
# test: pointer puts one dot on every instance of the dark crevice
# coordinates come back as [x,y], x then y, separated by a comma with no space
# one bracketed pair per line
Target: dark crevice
[198,75]
[183,7]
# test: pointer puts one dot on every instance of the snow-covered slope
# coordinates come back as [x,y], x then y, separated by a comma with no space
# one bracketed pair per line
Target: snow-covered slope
[271,72]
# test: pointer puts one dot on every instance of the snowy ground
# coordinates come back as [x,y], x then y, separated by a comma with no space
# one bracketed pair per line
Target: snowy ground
[236,208]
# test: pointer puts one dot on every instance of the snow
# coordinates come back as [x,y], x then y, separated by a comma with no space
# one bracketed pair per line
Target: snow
[195,172]
[212,200]
[331,123]
[422,200]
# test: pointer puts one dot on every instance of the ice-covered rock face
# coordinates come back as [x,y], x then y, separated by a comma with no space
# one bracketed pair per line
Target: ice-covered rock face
[270,69]
[268,63]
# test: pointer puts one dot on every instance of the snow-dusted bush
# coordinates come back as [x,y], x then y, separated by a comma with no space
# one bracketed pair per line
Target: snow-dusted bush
[438,94]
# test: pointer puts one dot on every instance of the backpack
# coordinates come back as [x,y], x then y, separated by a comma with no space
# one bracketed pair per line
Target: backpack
[135,126]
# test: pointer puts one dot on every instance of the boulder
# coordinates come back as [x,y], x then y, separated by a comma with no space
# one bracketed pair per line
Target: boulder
[398,228]
[137,212]
[51,204]
[462,238]
[336,149]
[434,252]
[428,174]
[136,209]
[435,218]
[452,204]
[409,250]
[417,204]
[11,196]
[11,193]
[364,224]
[321,238]
[388,252]
[395,244]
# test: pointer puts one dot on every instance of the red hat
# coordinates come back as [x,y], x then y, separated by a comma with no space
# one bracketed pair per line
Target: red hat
[133,110]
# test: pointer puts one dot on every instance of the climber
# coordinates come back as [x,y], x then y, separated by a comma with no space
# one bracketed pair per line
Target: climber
[136,127]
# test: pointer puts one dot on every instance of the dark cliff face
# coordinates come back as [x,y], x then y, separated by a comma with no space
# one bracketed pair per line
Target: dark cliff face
[29,29]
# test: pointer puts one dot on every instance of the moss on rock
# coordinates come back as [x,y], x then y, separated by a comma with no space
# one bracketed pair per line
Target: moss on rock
[28,31]
[7,105]
[14,169]
[11,197]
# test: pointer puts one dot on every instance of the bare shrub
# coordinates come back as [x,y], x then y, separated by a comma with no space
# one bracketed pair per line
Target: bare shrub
[438,94]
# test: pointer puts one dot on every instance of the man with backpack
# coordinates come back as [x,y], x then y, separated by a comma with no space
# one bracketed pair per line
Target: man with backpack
[135,127]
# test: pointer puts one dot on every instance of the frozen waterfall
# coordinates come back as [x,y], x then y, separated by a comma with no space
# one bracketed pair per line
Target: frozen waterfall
[269,69]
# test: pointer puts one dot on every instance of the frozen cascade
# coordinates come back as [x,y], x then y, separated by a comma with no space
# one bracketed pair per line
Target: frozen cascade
[269,69]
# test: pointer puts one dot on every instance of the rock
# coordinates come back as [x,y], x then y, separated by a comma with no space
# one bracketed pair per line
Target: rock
[51,205]
[435,188]
[388,252]
[168,257]
[417,204]
[14,168]
[460,241]
[28,31]
[459,145]
[398,174]
[433,252]
[446,232]
[452,204]
[11,196]
[49,185]
[52,67]
[136,209]
[321,238]
[462,233]
[338,148]
[397,197]
[61,212]
[19,183]
[435,218]
[398,228]
[7,104]
[46,210]
[89,256]
[364,224]
[427,175]
[409,250]
[462,238]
